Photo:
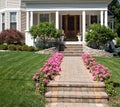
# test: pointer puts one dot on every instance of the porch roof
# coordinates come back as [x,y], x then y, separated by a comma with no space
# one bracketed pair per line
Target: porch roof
[68,1]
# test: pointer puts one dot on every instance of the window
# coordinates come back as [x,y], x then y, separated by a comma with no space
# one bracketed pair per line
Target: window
[93,19]
[3,21]
[44,17]
[13,20]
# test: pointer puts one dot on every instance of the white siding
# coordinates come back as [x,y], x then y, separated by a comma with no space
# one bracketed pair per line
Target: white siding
[13,3]
[18,20]
[2,4]
[7,20]
[23,21]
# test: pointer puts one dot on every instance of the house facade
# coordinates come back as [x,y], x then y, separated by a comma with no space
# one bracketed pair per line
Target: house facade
[71,16]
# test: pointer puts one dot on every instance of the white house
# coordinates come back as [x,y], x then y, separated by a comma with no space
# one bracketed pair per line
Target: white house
[72,16]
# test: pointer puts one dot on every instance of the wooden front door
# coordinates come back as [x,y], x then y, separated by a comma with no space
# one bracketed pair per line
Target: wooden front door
[70,25]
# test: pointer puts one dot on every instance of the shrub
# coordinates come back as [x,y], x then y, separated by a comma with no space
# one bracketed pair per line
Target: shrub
[18,47]
[3,47]
[11,36]
[118,42]
[45,31]
[11,47]
[31,48]
[98,36]
[25,48]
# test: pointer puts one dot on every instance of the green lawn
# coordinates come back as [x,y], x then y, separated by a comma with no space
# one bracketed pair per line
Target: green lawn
[114,68]
[16,85]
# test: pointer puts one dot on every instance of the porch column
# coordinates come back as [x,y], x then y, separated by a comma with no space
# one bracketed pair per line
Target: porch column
[106,18]
[27,20]
[57,20]
[101,17]
[31,19]
[0,22]
[83,25]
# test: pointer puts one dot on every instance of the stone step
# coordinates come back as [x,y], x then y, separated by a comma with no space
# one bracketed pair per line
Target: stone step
[72,51]
[76,105]
[76,84]
[76,97]
[92,89]
[72,54]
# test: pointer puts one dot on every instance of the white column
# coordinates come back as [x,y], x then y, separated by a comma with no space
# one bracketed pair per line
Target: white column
[31,19]
[17,20]
[0,22]
[101,17]
[83,25]
[57,20]
[106,18]
[27,20]
[80,23]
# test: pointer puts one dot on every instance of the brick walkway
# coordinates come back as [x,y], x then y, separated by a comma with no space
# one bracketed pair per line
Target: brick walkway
[75,87]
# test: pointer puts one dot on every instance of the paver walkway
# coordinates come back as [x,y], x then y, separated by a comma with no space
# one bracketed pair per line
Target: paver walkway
[75,87]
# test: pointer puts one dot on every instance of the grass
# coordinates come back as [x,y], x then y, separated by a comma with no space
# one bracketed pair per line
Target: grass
[16,85]
[114,68]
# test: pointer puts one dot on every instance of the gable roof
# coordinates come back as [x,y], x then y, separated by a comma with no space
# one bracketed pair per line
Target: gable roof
[68,1]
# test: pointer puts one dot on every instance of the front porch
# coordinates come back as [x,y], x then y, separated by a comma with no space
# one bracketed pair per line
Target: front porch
[70,20]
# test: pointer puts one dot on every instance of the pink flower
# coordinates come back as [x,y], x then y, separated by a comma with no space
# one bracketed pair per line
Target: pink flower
[37,85]
[46,81]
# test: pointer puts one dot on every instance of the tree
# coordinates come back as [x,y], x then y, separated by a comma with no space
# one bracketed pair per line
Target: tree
[45,31]
[98,36]
[11,36]
[114,7]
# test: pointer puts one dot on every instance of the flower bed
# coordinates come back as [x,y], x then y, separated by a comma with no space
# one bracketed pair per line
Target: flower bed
[50,69]
[98,71]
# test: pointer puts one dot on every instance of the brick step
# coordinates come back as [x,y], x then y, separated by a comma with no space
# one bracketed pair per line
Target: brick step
[92,89]
[80,48]
[72,51]
[72,54]
[76,97]
[77,84]
[77,105]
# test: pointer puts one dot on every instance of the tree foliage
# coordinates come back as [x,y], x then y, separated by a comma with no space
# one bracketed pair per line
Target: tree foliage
[11,36]
[114,7]
[45,31]
[98,36]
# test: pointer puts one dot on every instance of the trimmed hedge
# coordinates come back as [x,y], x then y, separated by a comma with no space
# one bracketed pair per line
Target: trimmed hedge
[13,47]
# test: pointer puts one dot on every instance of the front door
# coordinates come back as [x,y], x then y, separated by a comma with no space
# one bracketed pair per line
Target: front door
[70,25]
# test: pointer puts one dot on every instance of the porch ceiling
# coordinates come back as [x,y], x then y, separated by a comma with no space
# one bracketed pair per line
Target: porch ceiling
[68,1]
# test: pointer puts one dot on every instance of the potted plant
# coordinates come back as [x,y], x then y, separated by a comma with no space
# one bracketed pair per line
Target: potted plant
[79,36]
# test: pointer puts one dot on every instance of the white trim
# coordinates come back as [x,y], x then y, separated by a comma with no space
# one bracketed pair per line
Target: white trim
[27,20]
[80,23]
[17,21]
[31,19]
[67,9]
[0,22]
[101,17]
[12,9]
[57,19]
[83,25]
[106,18]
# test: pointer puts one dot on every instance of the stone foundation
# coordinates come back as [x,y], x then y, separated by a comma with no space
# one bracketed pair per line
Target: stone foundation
[96,52]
